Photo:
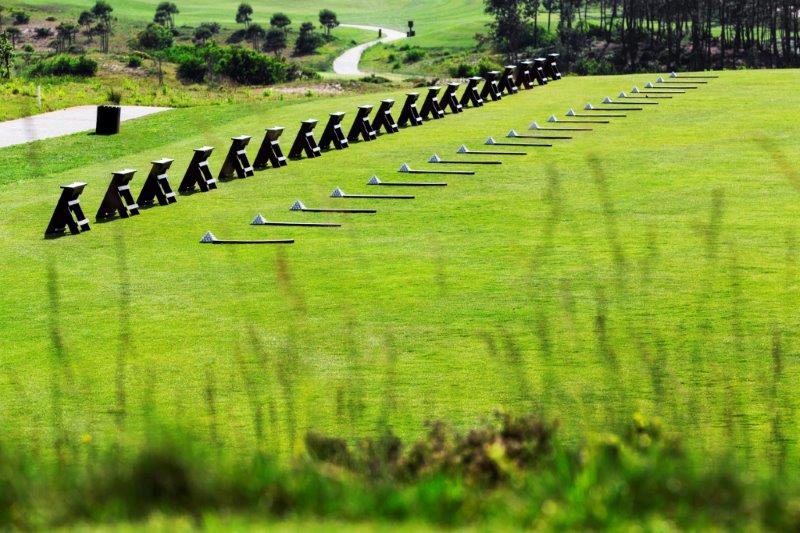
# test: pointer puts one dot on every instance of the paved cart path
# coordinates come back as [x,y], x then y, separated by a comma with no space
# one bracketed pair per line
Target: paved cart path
[63,122]
[347,63]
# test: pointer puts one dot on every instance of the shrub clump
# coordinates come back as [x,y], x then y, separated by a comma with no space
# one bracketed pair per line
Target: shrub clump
[65,65]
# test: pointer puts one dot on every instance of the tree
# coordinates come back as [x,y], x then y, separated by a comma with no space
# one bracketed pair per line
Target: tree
[244,15]
[155,39]
[308,41]
[65,34]
[275,41]
[13,34]
[85,20]
[162,18]
[280,21]
[255,33]
[102,11]
[168,10]
[6,54]
[328,19]
[205,31]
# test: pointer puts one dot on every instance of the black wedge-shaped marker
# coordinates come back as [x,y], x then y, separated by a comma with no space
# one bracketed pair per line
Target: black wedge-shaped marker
[471,95]
[68,212]
[590,107]
[450,100]
[305,142]
[409,114]
[339,193]
[236,162]
[555,120]
[608,101]
[198,174]
[524,76]
[300,206]
[118,200]
[270,152]
[491,142]
[536,127]
[506,84]
[374,180]
[538,71]
[333,133]
[156,186]
[361,126]
[438,160]
[514,135]
[209,238]
[384,119]
[490,87]
[572,114]
[261,221]
[405,169]
[551,67]
[463,150]
[431,107]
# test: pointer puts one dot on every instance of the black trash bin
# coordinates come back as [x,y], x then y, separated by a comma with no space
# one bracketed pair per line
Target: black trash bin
[108,119]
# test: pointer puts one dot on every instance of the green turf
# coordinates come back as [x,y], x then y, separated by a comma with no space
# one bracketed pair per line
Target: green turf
[664,287]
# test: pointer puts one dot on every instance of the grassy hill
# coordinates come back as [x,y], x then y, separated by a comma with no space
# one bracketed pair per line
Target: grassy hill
[439,22]
[648,265]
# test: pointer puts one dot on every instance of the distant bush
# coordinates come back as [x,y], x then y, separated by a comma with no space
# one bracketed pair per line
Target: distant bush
[134,61]
[20,17]
[463,70]
[592,67]
[42,33]
[65,65]
[487,65]
[372,78]
[252,68]
[115,96]
[414,55]
[192,69]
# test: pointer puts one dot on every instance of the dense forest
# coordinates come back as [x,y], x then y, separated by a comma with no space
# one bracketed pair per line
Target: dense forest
[603,36]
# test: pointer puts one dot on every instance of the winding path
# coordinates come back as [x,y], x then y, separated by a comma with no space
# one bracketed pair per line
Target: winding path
[347,63]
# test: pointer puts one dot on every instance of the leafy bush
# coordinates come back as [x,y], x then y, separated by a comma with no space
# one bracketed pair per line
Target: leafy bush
[251,68]
[134,61]
[308,40]
[414,55]
[463,70]
[487,65]
[192,69]
[20,17]
[65,65]
[372,78]
[587,66]
[42,33]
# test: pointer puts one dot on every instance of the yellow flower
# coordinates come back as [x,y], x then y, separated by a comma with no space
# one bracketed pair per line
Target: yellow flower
[86,438]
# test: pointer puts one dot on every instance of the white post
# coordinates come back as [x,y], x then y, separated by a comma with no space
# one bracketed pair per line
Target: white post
[39,96]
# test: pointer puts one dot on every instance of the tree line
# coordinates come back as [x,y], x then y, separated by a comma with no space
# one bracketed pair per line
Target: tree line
[630,35]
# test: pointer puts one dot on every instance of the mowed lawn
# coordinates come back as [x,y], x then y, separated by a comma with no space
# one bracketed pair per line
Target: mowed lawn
[650,264]
[437,21]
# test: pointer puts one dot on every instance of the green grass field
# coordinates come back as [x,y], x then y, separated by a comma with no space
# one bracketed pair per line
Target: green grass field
[648,265]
